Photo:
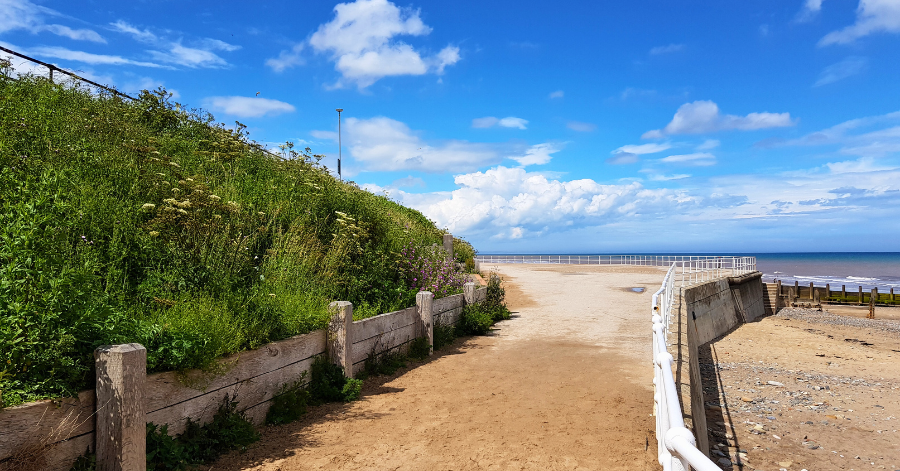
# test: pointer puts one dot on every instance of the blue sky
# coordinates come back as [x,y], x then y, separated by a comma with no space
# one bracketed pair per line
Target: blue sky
[581,127]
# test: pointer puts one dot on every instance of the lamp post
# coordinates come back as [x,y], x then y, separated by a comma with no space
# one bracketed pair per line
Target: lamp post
[339,143]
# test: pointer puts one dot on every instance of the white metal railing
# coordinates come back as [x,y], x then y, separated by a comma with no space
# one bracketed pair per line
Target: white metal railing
[676,446]
[693,268]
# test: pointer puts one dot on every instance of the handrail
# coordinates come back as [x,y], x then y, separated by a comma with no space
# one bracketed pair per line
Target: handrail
[676,446]
[53,67]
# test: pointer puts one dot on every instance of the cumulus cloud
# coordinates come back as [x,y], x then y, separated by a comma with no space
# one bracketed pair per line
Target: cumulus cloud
[24,15]
[581,127]
[512,203]
[872,16]
[703,117]
[248,107]
[846,68]
[557,94]
[698,159]
[667,49]
[508,122]
[361,40]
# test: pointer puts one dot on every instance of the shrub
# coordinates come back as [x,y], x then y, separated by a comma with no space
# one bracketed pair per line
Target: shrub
[476,320]
[430,269]
[290,403]
[352,389]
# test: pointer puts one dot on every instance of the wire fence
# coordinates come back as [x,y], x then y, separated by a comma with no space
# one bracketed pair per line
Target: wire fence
[52,68]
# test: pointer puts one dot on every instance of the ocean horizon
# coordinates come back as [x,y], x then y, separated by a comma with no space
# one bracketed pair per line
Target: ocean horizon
[851,269]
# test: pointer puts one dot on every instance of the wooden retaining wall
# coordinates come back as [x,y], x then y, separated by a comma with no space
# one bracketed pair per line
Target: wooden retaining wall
[52,434]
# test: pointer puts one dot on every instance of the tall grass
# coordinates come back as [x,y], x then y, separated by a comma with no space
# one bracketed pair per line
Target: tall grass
[148,222]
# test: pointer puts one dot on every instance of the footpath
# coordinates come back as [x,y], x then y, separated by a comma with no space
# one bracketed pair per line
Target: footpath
[565,384]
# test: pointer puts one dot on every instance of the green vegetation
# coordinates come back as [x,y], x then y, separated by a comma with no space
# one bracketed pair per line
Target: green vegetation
[229,430]
[289,404]
[477,319]
[148,222]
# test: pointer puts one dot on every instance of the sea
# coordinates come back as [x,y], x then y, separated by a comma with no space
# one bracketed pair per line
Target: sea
[852,269]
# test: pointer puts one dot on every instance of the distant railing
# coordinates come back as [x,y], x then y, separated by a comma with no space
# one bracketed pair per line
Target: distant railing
[640,260]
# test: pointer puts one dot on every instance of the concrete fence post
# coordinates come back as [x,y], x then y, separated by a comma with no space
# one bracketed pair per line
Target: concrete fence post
[424,300]
[860,301]
[469,292]
[448,244]
[827,290]
[811,289]
[339,337]
[816,299]
[121,430]
[777,297]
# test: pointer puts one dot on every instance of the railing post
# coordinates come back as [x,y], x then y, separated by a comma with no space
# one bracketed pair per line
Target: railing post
[121,428]
[468,293]
[424,300]
[338,338]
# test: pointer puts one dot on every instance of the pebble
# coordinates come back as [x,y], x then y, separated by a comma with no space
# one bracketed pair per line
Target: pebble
[774,383]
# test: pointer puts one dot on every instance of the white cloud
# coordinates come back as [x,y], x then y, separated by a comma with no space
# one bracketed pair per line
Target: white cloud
[666,178]
[698,159]
[872,16]
[846,68]
[189,57]
[539,154]
[382,143]
[512,202]
[667,49]
[144,36]
[361,42]
[623,158]
[709,144]
[248,107]
[703,117]
[22,14]
[641,149]
[557,94]
[86,57]
[864,137]
[288,58]
[581,127]
[508,122]
[809,11]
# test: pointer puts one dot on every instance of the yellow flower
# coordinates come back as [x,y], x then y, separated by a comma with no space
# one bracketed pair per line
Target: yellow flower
[154,233]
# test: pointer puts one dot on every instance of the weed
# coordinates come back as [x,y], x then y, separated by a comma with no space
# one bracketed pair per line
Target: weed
[85,462]
[352,389]
[289,404]
[327,381]
[229,430]
[419,348]
[444,335]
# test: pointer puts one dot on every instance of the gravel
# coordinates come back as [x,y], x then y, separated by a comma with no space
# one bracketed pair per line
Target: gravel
[825,317]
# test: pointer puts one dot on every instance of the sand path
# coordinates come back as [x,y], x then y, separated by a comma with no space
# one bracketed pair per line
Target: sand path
[565,384]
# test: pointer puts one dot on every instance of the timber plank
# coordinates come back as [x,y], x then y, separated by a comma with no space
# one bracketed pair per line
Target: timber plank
[45,422]
[384,342]
[373,326]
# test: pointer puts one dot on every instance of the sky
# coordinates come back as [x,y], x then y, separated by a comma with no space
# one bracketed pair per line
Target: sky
[528,127]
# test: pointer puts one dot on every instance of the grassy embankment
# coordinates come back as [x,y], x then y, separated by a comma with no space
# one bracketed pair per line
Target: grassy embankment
[147,222]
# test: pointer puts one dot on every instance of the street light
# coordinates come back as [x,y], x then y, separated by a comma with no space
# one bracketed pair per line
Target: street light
[339,142]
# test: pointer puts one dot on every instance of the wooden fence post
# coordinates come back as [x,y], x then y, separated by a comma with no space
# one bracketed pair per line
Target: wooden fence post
[892,294]
[860,302]
[827,290]
[424,300]
[872,303]
[469,292]
[843,292]
[448,244]
[121,430]
[811,289]
[339,337]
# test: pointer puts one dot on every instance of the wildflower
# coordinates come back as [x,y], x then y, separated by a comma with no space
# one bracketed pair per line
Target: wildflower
[214,198]
[171,201]
[154,233]
[148,207]
[181,211]
[174,165]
